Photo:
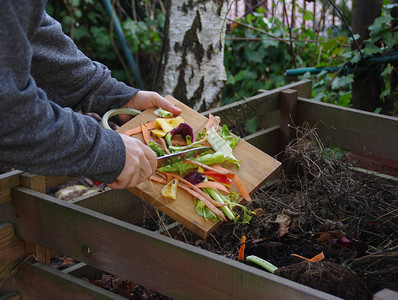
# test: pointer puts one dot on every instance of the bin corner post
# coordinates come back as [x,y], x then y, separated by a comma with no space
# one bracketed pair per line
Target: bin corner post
[36,183]
[288,121]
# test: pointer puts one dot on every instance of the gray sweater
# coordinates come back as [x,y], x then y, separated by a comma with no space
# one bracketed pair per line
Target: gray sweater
[44,79]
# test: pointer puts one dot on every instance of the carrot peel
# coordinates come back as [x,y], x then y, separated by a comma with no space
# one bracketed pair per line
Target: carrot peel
[241,255]
[317,258]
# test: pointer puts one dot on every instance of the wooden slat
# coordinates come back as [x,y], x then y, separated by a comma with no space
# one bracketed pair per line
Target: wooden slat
[303,88]
[52,181]
[11,247]
[35,183]
[159,263]
[8,181]
[267,140]
[257,106]
[288,112]
[351,128]
[241,111]
[37,281]
[120,204]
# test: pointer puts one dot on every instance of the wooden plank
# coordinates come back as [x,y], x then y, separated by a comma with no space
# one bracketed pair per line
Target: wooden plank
[52,181]
[257,106]
[267,140]
[36,183]
[120,204]
[288,113]
[154,261]
[37,281]
[303,87]
[8,181]
[11,247]
[351,128]
[241,111]
[256,168]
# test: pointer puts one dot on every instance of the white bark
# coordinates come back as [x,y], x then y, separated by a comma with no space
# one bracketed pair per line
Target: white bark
[193,67]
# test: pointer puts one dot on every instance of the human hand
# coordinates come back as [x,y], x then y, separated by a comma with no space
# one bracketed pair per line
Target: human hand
[145,99]
[140,163]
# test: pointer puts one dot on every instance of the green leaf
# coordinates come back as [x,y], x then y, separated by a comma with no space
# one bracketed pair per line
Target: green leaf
[378,23]
[251,125]
[371,49]
[245,75]
[342,81]
[230,79]
[308,16]
[345,99]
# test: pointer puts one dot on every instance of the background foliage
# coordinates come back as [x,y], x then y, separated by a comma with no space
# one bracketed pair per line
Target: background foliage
[258,49]
[89,25]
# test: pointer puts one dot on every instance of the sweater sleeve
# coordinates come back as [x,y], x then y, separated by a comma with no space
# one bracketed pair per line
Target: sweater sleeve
[69,77]
[36,134]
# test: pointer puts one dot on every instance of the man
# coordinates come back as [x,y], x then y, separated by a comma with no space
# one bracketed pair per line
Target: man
[42,74]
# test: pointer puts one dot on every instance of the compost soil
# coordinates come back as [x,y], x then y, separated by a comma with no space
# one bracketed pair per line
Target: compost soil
[323,205]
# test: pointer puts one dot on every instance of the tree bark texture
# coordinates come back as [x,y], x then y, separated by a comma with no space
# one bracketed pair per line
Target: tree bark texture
[192,63]
[366,88]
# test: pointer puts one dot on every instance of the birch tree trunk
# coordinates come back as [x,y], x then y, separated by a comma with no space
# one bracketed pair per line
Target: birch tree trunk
[192,68]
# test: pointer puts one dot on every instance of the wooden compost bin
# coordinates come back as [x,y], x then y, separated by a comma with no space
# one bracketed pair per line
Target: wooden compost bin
[98,229]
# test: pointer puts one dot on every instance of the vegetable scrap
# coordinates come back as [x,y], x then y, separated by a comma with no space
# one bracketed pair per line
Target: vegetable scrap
[215,190]
[317,258]
[241,255]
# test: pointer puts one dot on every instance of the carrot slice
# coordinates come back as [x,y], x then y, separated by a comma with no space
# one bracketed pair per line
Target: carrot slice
[196,189]
[212,184]
[157,178]
[238,183]
[191,191]
[133,131]
[241,255]
[205,200]
[136,130]
[150,125]
[209,202]
[145,134]
[317,258]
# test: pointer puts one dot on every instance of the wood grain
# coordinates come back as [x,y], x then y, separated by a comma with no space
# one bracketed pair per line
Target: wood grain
[36,281]
[156,262]
[11,247]
[256,168]
[351,128]
[36,183]
[8,181]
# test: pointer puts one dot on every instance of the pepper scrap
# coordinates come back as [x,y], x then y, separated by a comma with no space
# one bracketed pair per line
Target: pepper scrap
[218,177]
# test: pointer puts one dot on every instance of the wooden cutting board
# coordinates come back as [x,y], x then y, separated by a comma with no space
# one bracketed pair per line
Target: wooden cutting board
[256,168]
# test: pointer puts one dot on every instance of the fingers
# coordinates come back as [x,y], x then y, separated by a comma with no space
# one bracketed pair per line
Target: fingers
[146,99]
[139,165]
[167,105]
